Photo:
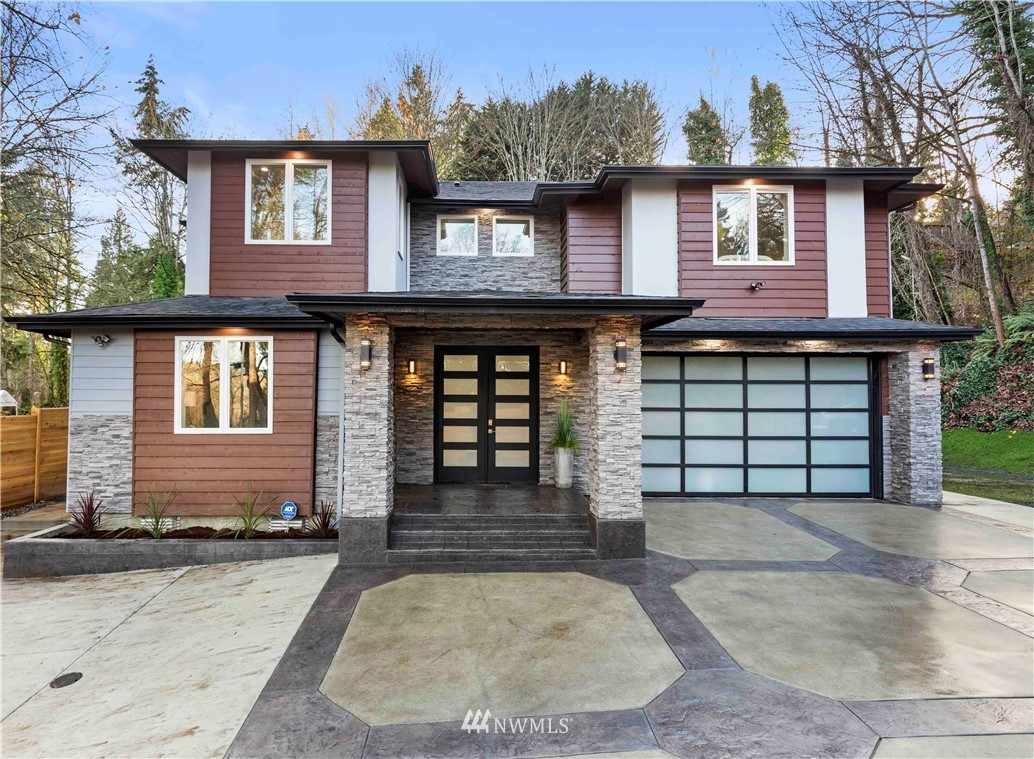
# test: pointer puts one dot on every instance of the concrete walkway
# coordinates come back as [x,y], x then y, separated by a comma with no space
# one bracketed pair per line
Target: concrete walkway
[171,660]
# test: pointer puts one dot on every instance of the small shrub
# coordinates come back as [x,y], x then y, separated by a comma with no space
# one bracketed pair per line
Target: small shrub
[85,516]
[323,522]
[563,434]
[156,506]
[251,513]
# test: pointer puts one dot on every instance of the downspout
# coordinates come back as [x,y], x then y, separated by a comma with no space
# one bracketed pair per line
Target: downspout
[341,428]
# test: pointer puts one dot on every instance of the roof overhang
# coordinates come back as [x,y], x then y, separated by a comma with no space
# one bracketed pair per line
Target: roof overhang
[190,312]
[654,311]
[910,193]
[860,328]
[609,178]
[414,155]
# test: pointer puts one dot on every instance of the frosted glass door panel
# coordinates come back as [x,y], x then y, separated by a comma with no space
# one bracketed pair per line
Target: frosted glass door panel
[713,480]
[714,368]
[661,367]
[777,480]
[660,396]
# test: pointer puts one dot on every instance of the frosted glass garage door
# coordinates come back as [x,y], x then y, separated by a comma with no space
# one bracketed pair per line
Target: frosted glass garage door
[757,425]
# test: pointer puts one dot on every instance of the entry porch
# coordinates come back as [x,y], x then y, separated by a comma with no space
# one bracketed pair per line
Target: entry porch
[441,390]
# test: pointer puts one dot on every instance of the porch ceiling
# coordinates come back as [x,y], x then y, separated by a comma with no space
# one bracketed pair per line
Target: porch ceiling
[654,311]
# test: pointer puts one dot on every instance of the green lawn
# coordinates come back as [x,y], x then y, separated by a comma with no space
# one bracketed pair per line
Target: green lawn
[993,451]
[1007,452]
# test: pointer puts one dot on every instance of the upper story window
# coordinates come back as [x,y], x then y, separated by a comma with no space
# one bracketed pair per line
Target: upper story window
[753,225]
[513,236]
[224,384]
[288,202]
[457,235]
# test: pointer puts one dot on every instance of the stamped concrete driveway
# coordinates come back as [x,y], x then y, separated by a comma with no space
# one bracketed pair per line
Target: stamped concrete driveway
[768,628]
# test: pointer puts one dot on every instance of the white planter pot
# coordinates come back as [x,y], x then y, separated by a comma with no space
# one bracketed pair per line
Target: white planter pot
[564,461]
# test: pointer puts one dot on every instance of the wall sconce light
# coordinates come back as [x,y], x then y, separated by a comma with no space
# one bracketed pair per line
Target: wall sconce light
[364,353]
[412,366]
[562,367]
[929,372]
[620,355]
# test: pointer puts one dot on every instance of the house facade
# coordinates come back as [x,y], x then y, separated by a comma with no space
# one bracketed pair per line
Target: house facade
[355,329]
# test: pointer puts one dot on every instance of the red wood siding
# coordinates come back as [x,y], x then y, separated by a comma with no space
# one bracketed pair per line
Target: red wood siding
[208,471]
[272,270]
[798,290]
[591,248]
[877,255]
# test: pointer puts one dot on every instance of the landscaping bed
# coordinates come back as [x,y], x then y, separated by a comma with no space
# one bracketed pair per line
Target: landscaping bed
[199,533]
[57,551]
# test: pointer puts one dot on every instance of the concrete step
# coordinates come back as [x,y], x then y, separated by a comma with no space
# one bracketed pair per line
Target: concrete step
[421,556]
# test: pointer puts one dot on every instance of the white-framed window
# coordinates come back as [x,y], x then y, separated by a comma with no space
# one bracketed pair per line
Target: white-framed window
[457,235]
[287,202]
[513,236]
[224,385]
[753,225]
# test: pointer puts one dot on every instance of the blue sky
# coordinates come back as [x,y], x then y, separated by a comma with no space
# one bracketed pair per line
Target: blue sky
[237,65]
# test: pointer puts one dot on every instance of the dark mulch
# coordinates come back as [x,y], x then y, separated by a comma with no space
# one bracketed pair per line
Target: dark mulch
[198,533]
[23,509]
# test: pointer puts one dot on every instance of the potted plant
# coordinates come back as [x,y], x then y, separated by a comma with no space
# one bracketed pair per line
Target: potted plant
[563,445]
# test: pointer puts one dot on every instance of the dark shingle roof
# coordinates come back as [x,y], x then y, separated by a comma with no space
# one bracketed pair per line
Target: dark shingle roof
[496,192]
[195,310]
[803,328]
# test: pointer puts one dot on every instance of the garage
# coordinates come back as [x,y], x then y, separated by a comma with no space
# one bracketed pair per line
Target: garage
[763,425]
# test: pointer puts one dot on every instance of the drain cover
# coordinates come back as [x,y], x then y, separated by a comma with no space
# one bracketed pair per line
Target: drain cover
[63,681]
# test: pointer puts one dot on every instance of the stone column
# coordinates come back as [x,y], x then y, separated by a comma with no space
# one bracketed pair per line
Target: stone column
[615,441]
[915,428]
[369,451]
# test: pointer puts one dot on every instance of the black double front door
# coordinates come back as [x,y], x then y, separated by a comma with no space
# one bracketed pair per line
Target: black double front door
[486,414]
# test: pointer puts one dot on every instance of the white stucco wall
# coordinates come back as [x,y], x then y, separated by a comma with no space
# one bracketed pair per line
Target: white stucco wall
[649,238]
[199,222]
[845,248]
[387,266]
[102,378]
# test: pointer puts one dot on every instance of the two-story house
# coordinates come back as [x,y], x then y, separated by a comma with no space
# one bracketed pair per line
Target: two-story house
[355,329]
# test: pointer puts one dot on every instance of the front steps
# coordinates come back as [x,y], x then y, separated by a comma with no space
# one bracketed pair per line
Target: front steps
[469,537]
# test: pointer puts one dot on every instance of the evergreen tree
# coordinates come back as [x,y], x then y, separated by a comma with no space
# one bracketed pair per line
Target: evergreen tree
[155,195]
[770,133]
[416,105]
[124,271]
[706,141]
[168,276]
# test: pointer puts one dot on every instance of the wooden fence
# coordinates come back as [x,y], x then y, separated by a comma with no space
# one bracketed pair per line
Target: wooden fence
[33,457]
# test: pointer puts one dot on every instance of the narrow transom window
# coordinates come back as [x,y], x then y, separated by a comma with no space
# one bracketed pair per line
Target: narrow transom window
[224,384]
[513,236]
[288,202]
[753,225]
[457,236]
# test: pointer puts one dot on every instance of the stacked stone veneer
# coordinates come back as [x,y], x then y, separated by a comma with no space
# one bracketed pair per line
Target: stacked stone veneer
[369,460]
[100,459]
[915,428]
[327,466]
[912,430]
[414,393]
[615,422]
[429,272]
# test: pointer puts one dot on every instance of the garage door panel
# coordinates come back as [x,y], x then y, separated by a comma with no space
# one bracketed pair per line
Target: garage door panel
[714,479]
[713,451]
[714,423]
[776,423]
[776,480]
[825,480]
[758,425]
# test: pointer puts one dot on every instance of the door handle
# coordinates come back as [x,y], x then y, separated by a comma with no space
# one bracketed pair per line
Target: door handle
[491,430]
